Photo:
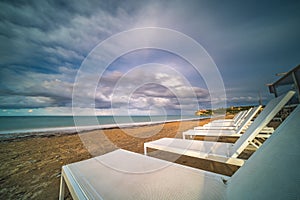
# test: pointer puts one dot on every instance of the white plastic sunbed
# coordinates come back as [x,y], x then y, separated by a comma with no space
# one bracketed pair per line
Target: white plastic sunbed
[241,124]
[272,172]
[216,131]
[219,151]
[236,121]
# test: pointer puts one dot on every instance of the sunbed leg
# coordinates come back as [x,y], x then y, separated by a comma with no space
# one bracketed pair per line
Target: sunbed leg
[257,142]
[145,150]
[62,188]
[253,144]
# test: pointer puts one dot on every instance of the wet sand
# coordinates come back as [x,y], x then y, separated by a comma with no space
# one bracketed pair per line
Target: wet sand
[30,167]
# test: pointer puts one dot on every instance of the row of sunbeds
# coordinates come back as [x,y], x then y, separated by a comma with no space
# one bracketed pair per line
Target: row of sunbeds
[271,172]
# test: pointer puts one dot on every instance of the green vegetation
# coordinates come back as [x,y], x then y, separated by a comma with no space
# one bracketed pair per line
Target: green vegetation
[228,111]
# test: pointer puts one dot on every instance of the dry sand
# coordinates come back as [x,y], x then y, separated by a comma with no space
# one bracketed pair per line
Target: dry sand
[30,167]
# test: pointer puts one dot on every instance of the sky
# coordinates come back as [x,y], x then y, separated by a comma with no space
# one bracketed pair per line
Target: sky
[52,55]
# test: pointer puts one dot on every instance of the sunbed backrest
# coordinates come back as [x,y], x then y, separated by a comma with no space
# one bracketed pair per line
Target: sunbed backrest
[250,116]
[269,112]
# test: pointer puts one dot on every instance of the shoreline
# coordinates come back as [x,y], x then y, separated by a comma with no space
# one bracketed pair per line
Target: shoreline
[44,132]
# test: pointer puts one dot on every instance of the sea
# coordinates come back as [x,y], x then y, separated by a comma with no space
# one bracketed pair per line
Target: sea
[65,124]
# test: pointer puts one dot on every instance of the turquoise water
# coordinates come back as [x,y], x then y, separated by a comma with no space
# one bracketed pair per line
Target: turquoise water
[45,123]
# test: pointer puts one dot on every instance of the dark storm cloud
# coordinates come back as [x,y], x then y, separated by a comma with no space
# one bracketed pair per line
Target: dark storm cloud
[46,34]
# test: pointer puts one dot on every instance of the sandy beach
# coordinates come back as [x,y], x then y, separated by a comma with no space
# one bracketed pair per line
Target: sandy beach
[30,167]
